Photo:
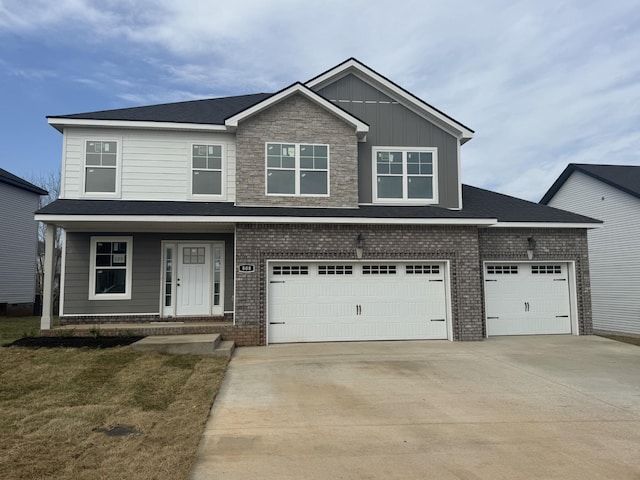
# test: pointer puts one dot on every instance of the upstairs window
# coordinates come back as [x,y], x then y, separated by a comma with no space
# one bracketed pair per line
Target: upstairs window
[405,175]
[206,170]
[101,163]
[297,169]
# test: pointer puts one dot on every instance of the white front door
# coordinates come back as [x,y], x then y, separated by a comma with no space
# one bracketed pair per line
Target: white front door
[320,302]
[193,280]
[527,298]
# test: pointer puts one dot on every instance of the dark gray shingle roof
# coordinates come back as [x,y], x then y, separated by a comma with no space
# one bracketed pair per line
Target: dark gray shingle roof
[212,111]
[623,177]
[11,179]
[478,204]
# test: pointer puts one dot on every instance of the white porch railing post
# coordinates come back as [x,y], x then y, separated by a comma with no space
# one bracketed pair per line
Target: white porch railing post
[47,289]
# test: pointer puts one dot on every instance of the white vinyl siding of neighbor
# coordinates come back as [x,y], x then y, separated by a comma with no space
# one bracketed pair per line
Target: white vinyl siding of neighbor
[154,165]
[614,249]
[18,240]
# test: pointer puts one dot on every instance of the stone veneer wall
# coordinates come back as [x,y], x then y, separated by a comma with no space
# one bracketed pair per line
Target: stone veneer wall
[257,243]
[296,120]
[498,244]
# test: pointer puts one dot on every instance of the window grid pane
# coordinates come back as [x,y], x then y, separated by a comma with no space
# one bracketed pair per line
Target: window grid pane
[405,174]
[297,169]
[110,267]
[206,164]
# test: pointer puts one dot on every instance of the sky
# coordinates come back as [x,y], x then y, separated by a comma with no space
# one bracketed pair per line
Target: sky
[543,83]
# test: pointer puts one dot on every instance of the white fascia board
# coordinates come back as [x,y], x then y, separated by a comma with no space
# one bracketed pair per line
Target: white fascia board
[78,122]
[261,219]
[545,225]
[361,127]
[464,135]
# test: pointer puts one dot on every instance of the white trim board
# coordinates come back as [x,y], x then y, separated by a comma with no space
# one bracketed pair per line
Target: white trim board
[259,219]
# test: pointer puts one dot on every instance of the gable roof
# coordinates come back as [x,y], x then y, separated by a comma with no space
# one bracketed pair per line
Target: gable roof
[299,89]
[11,179]
[409,100]
[482,207]
[623,177]
[213,114]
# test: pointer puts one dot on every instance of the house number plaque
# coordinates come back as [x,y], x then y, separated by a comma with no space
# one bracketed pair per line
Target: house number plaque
[247,268]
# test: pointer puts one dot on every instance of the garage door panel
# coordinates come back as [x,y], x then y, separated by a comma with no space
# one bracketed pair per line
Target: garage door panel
[380,302]
[527,299]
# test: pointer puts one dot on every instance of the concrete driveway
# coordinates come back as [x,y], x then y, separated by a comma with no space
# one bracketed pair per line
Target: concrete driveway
[507,408]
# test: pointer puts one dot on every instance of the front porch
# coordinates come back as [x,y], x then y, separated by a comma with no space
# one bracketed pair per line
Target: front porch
[141,329]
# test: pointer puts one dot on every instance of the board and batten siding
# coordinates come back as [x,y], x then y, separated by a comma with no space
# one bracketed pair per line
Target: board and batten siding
[18,244]
[392,124]
[155,165]
[146,277]
[614,249]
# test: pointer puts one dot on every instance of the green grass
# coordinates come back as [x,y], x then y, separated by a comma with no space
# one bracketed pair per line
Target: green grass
[56,404]
[13,328]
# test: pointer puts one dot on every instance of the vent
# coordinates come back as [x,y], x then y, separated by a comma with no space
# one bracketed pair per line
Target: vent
[422,269]
[378,269]
[291,270]
[502,269]
[335,270]
[546,269]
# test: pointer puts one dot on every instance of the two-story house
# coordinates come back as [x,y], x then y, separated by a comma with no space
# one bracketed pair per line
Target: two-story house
[331,210]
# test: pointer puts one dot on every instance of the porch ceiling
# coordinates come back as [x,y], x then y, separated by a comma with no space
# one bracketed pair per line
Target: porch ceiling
[141,226]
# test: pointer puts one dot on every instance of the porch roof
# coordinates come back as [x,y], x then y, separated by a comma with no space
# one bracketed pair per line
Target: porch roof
[481,207]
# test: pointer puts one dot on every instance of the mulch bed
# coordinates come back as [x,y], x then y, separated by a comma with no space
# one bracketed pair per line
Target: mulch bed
[73,342]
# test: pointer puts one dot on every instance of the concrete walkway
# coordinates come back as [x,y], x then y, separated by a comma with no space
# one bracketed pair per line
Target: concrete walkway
[553,407]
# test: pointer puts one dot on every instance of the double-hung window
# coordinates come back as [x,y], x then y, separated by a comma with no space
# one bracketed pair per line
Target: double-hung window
[297,169]
[101,166]
[206,170]
[405,174]
[110,268]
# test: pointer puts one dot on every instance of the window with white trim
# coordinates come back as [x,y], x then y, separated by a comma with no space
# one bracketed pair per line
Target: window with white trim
[110,268]
[297,169]
[100,166]
[206,170]
[404,174]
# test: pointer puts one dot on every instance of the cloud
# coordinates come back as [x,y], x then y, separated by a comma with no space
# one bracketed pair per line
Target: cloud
[542,83]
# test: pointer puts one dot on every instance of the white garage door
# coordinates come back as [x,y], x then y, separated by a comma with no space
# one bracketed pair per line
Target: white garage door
[322,302]
[527,299]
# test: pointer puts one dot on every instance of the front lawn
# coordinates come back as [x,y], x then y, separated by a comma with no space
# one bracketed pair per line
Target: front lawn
[60,406]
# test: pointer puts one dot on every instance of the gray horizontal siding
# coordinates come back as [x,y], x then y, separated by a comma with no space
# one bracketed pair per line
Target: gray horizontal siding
[146,266]
[18,242]
[392,124]
[614,250]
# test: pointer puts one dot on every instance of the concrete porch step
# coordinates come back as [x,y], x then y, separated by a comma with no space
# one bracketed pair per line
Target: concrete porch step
[202,344]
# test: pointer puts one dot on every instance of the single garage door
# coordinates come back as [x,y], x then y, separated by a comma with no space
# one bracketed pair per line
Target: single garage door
[527,299]
[327,302]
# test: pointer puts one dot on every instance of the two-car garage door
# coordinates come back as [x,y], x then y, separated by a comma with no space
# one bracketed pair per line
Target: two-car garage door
[320,302]
[527,298]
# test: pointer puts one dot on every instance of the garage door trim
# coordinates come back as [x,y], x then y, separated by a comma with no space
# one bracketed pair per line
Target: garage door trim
[378,261]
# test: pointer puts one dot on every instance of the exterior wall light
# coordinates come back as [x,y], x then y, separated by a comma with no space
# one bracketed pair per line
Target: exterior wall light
[359,246]
[531,246]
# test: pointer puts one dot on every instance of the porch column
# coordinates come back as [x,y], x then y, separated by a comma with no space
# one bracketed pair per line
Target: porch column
[49,271]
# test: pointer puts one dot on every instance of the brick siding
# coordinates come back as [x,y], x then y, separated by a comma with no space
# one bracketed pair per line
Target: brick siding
[257,243]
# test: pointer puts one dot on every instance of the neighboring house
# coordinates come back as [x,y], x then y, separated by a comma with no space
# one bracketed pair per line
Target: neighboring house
[331,210]
[610,193]
[19,200]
